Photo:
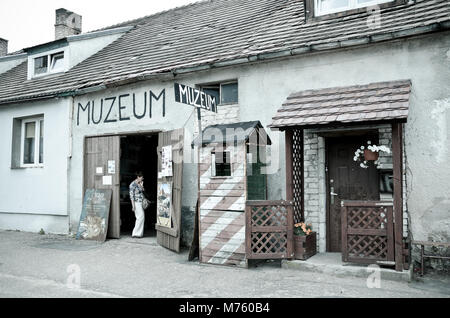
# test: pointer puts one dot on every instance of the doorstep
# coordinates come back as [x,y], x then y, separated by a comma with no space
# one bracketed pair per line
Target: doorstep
[331,263]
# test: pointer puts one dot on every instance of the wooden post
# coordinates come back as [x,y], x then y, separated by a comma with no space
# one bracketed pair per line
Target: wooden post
[195,250]
[344,233]
[290,230]
[397,142]
[302,167]
[289,165]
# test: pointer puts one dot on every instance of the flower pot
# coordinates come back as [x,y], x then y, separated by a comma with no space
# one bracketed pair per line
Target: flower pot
[304,246]
[370,155]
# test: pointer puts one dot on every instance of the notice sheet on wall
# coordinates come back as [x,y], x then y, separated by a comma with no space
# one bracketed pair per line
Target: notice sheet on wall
[164,204]
[166,161]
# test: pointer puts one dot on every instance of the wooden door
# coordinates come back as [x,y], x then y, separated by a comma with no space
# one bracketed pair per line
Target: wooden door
[346,180]
[98,153]
[170,237]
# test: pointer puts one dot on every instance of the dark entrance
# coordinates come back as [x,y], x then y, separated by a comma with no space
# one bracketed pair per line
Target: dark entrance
[138,153]
[346,180]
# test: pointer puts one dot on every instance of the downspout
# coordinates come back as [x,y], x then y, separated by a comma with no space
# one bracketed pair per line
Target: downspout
[69,158]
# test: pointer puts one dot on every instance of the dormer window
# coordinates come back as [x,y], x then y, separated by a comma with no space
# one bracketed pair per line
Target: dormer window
[57,62]
[41,65]
[51,62]
[324,7]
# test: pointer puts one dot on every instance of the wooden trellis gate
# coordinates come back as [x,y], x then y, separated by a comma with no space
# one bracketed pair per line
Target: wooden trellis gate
[269,229]
[367,232]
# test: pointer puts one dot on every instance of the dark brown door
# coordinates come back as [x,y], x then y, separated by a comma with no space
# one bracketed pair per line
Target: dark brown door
[101,171]
[346,181]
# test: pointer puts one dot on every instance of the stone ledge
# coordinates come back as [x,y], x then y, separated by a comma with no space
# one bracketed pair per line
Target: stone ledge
[331,264]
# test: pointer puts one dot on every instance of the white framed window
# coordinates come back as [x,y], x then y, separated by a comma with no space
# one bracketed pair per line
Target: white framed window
[56,62]
[32,142]
[225,92]
[322,7]
[221,164]
[51,62]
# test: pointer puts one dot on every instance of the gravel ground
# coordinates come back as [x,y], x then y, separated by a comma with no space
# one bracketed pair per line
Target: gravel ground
[33,265]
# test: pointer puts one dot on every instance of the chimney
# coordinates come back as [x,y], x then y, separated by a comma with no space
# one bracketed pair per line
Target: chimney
[67,24]
[3,47]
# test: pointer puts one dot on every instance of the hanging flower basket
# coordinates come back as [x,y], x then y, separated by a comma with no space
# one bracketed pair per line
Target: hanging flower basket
[363,155]
[370,155]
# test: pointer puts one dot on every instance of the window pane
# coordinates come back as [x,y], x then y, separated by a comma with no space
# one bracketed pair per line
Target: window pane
[40,65]
[57,61]
[229,93]
[365,1]
[41,141]
[326,5]
[28,147]
[223,164]
[213,91]
[386,182]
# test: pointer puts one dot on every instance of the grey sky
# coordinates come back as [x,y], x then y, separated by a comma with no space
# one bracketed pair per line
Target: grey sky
[29,22]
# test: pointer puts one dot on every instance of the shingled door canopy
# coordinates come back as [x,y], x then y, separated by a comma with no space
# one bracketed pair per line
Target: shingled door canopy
[385,101]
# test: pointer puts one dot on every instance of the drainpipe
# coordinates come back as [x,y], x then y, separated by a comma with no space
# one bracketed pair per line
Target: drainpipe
[69,157]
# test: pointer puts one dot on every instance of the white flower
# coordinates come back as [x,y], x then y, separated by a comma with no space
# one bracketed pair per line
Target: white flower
[362,147]
[369,142]
[385,149]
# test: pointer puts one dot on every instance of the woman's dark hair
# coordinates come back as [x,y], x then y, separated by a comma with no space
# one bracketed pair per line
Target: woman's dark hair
[139,174]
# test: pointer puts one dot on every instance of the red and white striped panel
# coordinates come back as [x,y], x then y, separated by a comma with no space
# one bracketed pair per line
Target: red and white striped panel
[222,205]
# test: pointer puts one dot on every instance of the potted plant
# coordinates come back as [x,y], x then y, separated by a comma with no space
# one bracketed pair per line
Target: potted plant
[370,153]
[304,241]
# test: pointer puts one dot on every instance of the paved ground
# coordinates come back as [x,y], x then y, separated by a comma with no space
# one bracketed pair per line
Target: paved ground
[33,265]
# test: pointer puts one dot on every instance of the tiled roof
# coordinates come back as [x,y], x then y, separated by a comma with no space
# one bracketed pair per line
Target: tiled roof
[373,102]
[228,133]
[214,33]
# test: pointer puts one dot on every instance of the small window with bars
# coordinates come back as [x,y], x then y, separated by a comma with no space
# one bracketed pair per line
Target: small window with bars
[221,164]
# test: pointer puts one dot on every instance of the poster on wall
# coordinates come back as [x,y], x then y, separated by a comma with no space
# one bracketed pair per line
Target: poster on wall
[111,166]
[166,161]
[164,204]
[94,215]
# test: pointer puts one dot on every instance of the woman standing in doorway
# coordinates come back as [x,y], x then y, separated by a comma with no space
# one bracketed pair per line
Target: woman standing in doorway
[136,197]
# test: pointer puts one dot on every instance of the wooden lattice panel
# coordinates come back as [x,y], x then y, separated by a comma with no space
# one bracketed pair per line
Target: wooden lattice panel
[367,217]
[269,229]
[367,232]
[297,153]
[367,246]
[269,215]
[269,243]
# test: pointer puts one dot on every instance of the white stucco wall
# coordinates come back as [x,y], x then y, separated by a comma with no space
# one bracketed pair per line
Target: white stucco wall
[426,62]
[35,198]
[263,88]
[176,116]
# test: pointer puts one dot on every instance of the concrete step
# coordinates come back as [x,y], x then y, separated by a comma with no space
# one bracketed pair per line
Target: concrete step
[331,264]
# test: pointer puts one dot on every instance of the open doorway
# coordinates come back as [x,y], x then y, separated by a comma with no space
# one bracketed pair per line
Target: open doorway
[138,153]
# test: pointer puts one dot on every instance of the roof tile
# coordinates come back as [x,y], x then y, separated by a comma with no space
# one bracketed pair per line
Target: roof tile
[221,30]
[391,104]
